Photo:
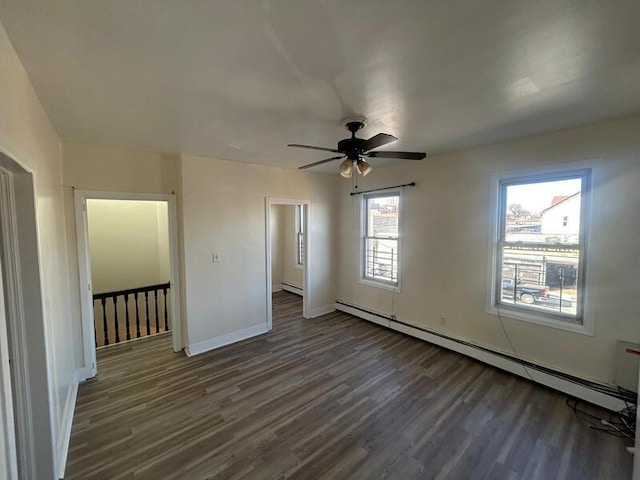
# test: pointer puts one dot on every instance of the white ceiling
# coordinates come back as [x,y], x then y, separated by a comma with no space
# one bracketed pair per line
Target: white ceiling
[239,79]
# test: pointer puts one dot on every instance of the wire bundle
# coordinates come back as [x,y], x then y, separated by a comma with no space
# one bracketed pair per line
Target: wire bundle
[619,424]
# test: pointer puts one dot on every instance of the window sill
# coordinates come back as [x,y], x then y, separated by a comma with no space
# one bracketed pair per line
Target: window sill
[540,319]
[380,284]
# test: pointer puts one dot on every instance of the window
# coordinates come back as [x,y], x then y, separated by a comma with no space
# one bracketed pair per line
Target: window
[380,233]
[540,250]
[299,235]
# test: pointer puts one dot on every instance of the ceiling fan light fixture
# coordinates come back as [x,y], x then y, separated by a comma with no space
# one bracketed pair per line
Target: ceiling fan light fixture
[346,168]
[363,167]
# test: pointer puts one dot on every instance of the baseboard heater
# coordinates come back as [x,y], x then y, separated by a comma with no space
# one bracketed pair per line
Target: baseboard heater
[604,395]
[292,288]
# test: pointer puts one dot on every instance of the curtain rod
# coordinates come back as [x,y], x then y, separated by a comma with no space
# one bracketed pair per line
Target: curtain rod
[412,184]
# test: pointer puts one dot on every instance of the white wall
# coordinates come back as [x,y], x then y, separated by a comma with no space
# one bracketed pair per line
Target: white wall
[224,212]
[27,136]
[128,242]
[445,243]
[277,245]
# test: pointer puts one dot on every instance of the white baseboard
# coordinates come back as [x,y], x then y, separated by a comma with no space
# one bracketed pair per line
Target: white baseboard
[227,339]
[64,436]
[319,311]
[293,289]
[82,375]
[562,385]
[276,287]
[364,315]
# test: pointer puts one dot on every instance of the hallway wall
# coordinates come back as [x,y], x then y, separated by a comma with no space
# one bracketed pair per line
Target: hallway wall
[128,242]
[27,136]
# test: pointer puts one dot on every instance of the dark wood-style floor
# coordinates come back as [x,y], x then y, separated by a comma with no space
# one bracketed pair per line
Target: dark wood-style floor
[329,398]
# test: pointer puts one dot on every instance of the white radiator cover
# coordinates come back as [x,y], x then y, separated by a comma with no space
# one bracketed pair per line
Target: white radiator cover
[627,365]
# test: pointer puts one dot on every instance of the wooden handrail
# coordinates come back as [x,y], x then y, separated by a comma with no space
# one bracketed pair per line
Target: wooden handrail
[159,286]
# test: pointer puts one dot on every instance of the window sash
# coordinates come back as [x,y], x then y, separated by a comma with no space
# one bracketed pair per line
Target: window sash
[579,246]
[380,266]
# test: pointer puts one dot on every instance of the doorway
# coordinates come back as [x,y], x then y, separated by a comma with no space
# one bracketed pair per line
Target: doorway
[130,270]
[287,251]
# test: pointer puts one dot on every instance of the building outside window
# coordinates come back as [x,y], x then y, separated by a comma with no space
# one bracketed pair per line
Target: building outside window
[380,238]
[541,244]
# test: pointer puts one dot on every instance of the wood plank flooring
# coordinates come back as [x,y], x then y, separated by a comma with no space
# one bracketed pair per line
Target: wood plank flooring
[329,398]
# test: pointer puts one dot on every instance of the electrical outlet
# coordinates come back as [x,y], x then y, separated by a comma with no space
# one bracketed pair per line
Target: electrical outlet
[216,258]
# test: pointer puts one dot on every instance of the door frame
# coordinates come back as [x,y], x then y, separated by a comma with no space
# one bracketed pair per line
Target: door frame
[84,268]
[9,454]
[28,400]
[306,268]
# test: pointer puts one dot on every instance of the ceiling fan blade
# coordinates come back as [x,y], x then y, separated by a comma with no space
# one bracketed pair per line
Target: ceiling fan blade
[377,141]
[401,155]
[297,145]
[320,162]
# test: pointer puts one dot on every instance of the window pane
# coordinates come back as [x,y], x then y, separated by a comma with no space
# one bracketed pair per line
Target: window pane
[544,279]
[543,212]
[382,216]
[381,259]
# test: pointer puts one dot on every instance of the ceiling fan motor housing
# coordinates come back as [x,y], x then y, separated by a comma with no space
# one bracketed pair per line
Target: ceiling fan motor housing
[352,147]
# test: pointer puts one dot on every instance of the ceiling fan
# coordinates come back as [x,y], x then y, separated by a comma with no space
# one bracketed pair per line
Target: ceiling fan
[355,148]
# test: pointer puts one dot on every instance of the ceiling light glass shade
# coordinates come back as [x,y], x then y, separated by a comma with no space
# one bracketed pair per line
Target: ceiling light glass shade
[346,168]
[363,167]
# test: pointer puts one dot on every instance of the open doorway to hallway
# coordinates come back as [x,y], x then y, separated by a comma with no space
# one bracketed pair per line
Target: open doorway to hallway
[288,252]
[130,269]
[127,258]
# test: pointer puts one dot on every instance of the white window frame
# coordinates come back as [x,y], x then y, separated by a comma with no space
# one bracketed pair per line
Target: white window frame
[363,278]
[299,235]
[588,169]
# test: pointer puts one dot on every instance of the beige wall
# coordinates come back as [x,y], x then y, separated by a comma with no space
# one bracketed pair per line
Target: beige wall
[277,245]
[224,212]
[445,242]
[284,247]
[27,136]
[113,170]
[128,242]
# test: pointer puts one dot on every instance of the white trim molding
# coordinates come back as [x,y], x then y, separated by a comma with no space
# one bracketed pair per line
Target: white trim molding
[268,203]
[590,169]
[84,268]
[224,340]
[322,310]
[64,434]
